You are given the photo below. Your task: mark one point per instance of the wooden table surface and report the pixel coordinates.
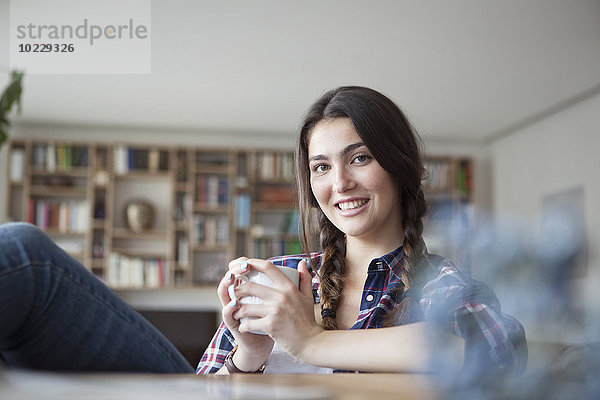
(51, 386)
(351, 386)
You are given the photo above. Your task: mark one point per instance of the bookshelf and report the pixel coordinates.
(210, 206)
(449, 192)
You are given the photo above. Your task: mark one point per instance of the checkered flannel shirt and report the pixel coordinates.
(468, 308)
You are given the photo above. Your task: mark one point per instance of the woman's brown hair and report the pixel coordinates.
(394, 143)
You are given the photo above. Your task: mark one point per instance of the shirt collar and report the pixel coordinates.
(390, 260)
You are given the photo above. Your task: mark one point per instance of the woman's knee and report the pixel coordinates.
(21, 231)
(21, 243)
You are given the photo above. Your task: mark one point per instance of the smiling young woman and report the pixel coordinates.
(359, 172)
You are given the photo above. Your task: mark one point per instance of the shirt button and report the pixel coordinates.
(369, 298)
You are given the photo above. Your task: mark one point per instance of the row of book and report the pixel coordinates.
(273, 165)
(291, 223)
(210, 230)
(265, 248)
(212, 158)
(212, 190)
(209, 267)
(135, 272)
(440, 176)
(59, 157)
(128, 159)
(275, 194)
(65, 216)
(286, 224)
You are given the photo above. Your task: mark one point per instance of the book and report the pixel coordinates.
(276, 194)
(39, 156)
(51, 157)
(120, 160)
(153, 160)
(183, 247)
(242, 210)
(17, 165)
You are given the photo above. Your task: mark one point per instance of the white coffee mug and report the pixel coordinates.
(262, 279)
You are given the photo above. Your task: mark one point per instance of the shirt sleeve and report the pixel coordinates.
(494, 341)
(214, 356)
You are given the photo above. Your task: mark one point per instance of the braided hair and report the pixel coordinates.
(395, 145)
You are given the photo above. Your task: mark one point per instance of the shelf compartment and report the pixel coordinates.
(205, 248)
(124, 233)
(268, 207)
(213, 169)
(75, 172)
(205, 208)
(140, 174)
(141, 253)
(58, 191)
(64, 234)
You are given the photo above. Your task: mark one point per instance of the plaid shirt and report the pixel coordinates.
(467, 307)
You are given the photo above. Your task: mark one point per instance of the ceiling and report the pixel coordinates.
(462, 70)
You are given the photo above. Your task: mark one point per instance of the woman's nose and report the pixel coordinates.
(343, 181)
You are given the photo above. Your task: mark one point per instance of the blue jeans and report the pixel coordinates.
(56, 315)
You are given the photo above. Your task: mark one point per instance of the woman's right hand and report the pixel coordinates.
(253, 349)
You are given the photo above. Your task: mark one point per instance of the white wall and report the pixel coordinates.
(555, 154)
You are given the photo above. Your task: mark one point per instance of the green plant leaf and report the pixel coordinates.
(11, 95)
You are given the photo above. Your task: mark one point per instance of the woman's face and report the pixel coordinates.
(356, 194)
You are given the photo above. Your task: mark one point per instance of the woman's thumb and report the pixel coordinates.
(305, 279)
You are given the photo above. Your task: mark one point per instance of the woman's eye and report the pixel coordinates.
(320, 168)
(362, 159)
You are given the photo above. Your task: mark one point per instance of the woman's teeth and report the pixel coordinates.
(349, 205)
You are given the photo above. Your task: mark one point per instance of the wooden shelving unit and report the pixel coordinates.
(449, 192)
(211, 206)
(194, 192)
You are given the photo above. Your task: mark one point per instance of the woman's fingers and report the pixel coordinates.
(305, 279)
(228, 314)
(263, 292)
(274, 301)
(250, 310)
(237, 262)
(268, 268)
(223, 288)
(239, 266)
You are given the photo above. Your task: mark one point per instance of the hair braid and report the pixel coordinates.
(415, 263)
(332, 269)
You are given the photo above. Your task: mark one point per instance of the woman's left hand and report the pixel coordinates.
(286, 314)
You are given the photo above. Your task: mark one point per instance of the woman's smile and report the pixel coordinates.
(350, 208)
(351, 204)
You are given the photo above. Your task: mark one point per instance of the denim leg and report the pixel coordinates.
(56, 315)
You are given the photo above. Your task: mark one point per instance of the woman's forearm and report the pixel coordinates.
(407, 348)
